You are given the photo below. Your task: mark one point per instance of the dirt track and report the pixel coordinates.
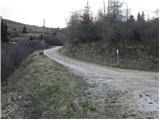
(134, 93)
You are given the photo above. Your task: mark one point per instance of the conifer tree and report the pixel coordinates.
(24, 29)
(4, 33)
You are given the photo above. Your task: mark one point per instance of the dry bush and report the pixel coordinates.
(12, 55)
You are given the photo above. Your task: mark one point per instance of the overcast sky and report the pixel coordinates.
(56, 12)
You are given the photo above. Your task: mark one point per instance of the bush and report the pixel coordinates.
(12, 54)
(13, 34)
(24, 30)
(113, 32)
(31, 38)
(52, 40)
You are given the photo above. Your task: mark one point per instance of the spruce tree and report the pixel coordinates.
(4, 33)
(141, 17)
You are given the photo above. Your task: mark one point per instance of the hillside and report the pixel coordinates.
(12, 25)
(136, 57)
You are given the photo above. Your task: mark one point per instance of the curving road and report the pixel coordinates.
(137, 90)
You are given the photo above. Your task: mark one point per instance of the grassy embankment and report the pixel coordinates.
(42, 88)
(133, 57)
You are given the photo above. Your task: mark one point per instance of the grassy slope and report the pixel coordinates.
(92, 53)
(41, 88)
(30, 28)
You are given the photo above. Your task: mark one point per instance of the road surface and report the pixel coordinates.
(134, 92)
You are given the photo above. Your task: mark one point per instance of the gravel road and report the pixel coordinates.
(135, 94)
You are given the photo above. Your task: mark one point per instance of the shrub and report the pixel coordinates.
(24, 30)
(31, 38)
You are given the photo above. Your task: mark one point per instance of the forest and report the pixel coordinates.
(98, 38)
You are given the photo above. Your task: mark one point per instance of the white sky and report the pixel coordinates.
(56, 12)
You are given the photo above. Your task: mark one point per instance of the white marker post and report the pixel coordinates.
(117, 56)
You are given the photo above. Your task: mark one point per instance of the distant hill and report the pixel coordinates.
(12, 25)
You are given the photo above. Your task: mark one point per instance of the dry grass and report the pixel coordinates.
(55, 92)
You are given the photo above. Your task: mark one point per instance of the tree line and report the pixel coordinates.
(136, 38)
(5, 33)
(112, 28)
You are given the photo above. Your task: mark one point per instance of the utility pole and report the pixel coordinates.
(104, 7)
(43, 42)
(127, 12)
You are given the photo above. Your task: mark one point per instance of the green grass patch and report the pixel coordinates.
(52, 87)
